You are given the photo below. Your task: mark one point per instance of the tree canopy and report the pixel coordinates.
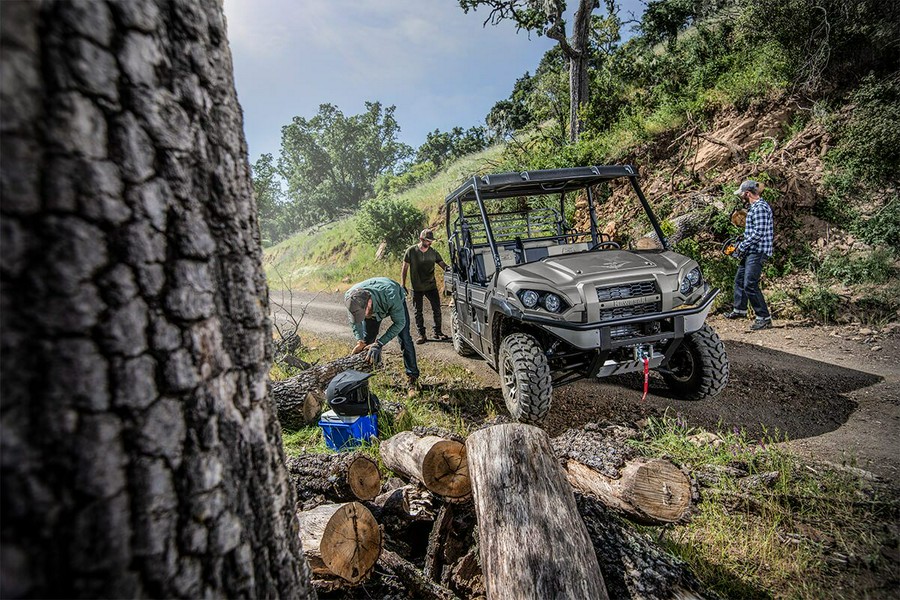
(331, 161)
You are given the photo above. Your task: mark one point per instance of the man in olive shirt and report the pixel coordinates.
(419, 263)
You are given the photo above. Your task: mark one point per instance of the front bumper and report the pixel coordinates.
(675, 324)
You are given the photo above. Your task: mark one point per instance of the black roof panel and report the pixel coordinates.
(532, 183)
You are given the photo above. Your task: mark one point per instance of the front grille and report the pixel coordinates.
(628, 290)
(625, 331)
(620, 312)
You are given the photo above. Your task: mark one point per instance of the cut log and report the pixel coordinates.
(599, 462)
(339, 477)
(400, 509)
(438, 463)
(299, 399)
(634, 567)
(533, 543)
(341, 540)
(649, 491)
(417, 585)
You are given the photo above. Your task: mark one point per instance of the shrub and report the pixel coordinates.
(394, 221)
(819, 302)
(883, 228)
(874, 267)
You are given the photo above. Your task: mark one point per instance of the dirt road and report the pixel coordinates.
(833, 391)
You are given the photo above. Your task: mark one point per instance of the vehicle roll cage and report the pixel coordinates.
(536, 183)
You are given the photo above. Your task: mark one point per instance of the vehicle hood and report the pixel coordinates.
(562, 270)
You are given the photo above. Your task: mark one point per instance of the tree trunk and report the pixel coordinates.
(599, 462)
(341, 540)
(533, 542)
(338, 477)
(650, 491)
(299, 399)
(439, 464)
(141, 454)
(415, 582)
(634, 567)
(579, 90)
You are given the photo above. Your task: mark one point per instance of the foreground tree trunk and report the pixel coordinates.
(533, 542)
(141, 456)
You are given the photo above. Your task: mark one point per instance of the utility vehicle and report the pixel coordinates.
(547, 304)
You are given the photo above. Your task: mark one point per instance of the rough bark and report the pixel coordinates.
(338, 477)
(141, 455)
(634, 567)
(438, 463)
(533, 543)
(417, 585)
(298, 399)
(341, 540)
(599, 462)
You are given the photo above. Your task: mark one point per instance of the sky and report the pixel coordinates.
(439, 66)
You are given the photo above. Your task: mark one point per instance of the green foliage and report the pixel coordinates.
(819, 302)
(390, 184)
(276, 218)
(331, 161)
(873, 267)
(868, 145)
(440, 147)
(392, 220)
(883, 228)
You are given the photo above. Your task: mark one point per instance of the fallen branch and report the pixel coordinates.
(413, 579)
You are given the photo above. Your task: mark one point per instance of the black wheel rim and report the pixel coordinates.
(682, 365)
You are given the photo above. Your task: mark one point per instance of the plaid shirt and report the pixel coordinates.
(759, 233)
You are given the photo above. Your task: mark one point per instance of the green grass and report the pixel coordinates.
(783, 539)
(333, 256)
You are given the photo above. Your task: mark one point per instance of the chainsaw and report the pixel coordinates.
(730, 247)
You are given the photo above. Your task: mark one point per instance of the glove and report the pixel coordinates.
(730, 250)
(373, 354)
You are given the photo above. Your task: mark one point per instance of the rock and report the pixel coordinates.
(876, 348)
(866, 331)
(705, 438)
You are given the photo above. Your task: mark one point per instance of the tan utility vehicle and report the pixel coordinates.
(546, 305)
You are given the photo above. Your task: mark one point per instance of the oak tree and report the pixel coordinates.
(141, 455)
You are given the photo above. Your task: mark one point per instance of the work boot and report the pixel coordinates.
(421, 339)
(736, 314)
(412, 382)
(761, 323)
(439, 336)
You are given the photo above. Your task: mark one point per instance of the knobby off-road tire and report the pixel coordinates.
(461, 346)
(525, 378)
(699, 368)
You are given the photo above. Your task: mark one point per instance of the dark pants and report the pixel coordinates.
(405, 339)
(434, 297)
(746, 285)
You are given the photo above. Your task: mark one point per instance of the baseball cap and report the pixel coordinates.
(356, 300)
(747, 186)
(426, 234)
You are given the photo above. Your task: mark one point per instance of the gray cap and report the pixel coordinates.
(356, 301)
(747, 186)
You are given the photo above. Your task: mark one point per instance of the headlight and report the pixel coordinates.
(529, 298)
(685, 286)
(552, 302)
(695, 277)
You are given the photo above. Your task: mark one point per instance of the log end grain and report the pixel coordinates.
(660, 490)
(445, 470)
(351, 543)
(364, 478)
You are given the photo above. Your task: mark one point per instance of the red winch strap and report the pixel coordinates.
(646, 377)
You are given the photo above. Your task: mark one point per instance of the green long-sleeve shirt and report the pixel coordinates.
(388, 300)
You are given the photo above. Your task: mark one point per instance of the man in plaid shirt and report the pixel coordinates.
(756, 247)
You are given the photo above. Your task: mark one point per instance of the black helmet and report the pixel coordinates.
(348, 394)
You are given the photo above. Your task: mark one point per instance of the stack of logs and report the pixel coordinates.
(507, 513)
